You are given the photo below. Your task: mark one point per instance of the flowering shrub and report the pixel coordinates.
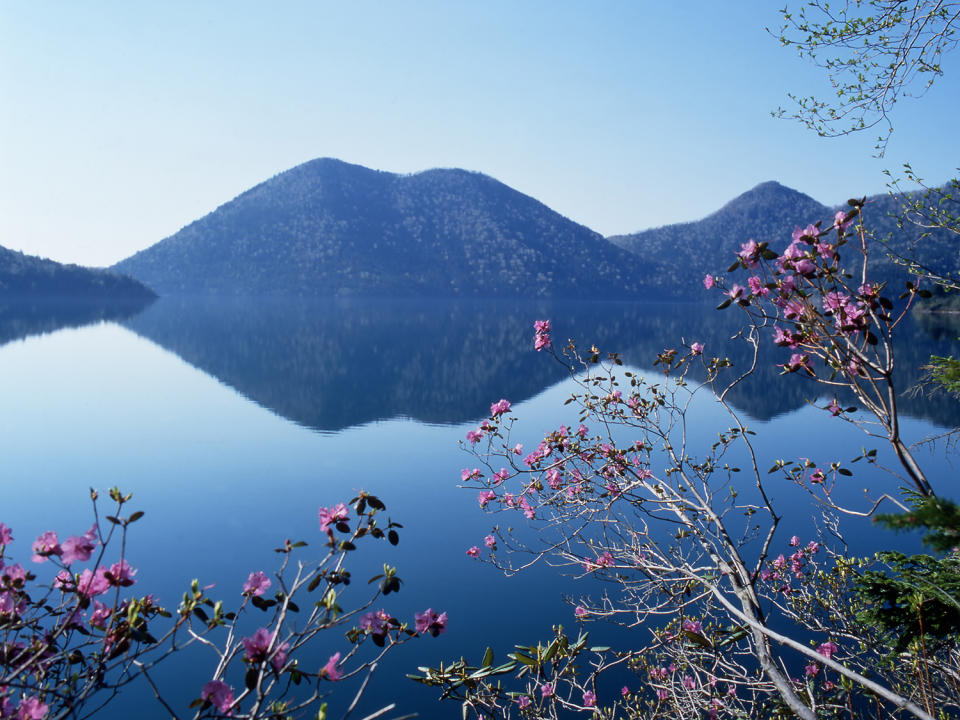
(723, 616)
(75, 641)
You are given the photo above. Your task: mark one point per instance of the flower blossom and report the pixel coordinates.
(121, 574)
(376, 623)
(473, 552)
(79, 547)
(827, 649)
(485, 496)
(697, 348)
(749, 252)
(100, 615)
(490, 541)
(708, 281)
(541, 338)
(332, 516)
(6, 536)
(44, 546)
(220, 695)
(93, 583)
(499, 408)
(840, 220)
(523, 701)
(257, 584)
(330, 670)
(546, 690)
(589, 698)
(431, 622)
(31, 708)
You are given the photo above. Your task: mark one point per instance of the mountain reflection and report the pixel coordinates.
(21, 318)
(333, 364)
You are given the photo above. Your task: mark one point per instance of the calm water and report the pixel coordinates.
(232, 421)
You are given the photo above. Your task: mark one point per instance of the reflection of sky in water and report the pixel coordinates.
(224, 481)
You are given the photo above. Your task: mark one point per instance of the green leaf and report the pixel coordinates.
(487, 658)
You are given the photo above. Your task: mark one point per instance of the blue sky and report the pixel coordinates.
(122, 122)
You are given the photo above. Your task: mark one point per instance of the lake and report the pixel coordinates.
(231, 421)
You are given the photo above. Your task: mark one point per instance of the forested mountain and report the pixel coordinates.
(769, 212)
(327, 228)
(27, 276)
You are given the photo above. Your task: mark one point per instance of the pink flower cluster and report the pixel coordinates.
(430, 622)
(541, 336)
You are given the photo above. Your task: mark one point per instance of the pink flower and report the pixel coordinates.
(332, 516)
(817, 477)
(474, 436)
(121, 574)
(625, 691)
(499, 477)
(518, 449)
(257, 584)
(490, 541)
(693, 626)
(467, 474)
(523, 701)
(219, 694)
(499, 408)
(757, 287)
(696, 348)
(541, 338)
(100, 615)
(589, 699)
(485, 496)
(6, 537)
(811, 670)
(827, 649)
(91, 584)
(834, 408)
(473, 552)
(31, 709)
(749, 252)
(580, 612)
(79, 547)
(330, 669)
(689, 683)
(813, 547)
(708, 281)
(736, 292)
(376, 623)
(662, 694)
(546, 690)
(257, 645)
(794, 541)
(279, 659)
(45, 546)
(840, 220)
(431, 622)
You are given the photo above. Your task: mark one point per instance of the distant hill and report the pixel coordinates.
(769, 212)
(328, 228)
(27, 276)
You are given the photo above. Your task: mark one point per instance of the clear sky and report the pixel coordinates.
(121, 122)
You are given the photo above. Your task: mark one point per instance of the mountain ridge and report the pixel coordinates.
(330, 228)
(29, 276)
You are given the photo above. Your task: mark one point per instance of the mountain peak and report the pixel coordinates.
(327, 227)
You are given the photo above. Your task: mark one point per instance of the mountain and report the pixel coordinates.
(27, 276)
(328, 228)
(769, 212)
